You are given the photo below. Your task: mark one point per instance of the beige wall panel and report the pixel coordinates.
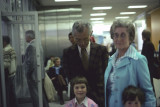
(155, 27)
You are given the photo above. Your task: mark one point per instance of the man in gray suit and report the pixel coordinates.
(31, 69)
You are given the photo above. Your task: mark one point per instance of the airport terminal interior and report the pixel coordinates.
(52, 21)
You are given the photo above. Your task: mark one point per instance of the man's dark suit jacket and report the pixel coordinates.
(148, 51)
(98, 60)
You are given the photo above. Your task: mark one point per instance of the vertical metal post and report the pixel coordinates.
(39, 66)
(2, 66)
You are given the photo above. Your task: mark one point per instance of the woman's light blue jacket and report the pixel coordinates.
(133, 70)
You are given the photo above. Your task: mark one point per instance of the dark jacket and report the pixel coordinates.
(148, 51)
(98, 60)
(56, 82)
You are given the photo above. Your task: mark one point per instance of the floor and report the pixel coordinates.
(54, 104)
(66, 99)
(51, 104)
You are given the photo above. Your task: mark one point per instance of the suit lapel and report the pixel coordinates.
(75, 52)
(75, 55)
(92, 53)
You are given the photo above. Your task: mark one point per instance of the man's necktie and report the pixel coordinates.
(84, 58)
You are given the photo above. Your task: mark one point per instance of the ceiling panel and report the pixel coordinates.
(87, 5)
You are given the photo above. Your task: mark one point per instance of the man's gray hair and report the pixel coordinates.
(30, 33)
(79, 27)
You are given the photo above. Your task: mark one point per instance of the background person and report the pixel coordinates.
(126, 67)
(148, 51)
(80, 88)
(86, 59)
(71, 38)
(10, 66)
(50, 63)
(30, 62)
(57, 75)
(92, 39)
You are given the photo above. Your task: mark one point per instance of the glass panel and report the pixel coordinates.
(17, 25)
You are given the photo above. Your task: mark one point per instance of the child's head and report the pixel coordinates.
(79, 85)
(133, 96)
(57, 61)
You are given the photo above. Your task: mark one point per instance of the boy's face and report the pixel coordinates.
(80, 91)
(135, 103)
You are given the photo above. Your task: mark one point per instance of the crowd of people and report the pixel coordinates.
(98, 78)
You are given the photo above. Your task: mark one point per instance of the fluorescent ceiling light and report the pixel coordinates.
(125, 17)
(97, 19)
(102, 8)
(60, 17)
(64, 0)
(123, 13)
(138, 6)
(70, 16)
(64, 10)
(68, 9)
(97, 22)
(98, 14)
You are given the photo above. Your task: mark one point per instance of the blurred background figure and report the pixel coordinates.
(57, 75)
(50, 63)
(148, 51)
(30, 63)
(71, 38)
(92, 39)
(10, 71)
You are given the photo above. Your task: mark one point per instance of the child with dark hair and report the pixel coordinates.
(133, 97)
(80, 87)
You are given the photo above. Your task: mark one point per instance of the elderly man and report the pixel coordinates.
(31, 69)
(86, 59)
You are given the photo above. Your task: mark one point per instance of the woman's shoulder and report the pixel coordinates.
(140, 56)
(138, 59)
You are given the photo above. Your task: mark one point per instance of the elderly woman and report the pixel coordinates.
(126, 67)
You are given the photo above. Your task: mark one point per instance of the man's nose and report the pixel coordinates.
(82, 42)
